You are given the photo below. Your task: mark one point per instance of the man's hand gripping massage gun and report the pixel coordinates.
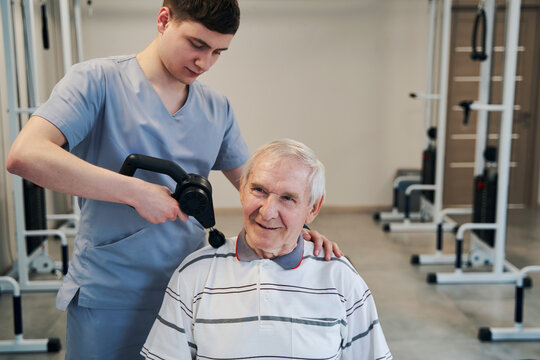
(193, 192)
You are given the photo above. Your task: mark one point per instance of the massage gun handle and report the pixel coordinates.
(144, 162)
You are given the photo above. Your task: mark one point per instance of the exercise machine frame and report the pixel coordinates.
(25, 261)
(433, 208)
(439, 258)
(20, 344)
(502, 271)
(517, 332)
(429, 97)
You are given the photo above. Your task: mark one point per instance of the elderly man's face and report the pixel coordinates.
(275, 203)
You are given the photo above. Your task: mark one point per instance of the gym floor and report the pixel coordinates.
(420, 321)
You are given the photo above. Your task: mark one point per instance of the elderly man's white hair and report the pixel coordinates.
(287, 148)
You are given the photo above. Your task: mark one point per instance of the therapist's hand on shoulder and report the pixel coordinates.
(320, 241)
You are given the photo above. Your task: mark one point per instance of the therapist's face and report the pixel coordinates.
(188, 49)
(276, 204)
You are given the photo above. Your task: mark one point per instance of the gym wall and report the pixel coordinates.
(333, 74)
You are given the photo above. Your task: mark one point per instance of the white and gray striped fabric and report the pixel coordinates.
(218, 307)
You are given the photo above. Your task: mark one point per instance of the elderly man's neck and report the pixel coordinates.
(272, 253)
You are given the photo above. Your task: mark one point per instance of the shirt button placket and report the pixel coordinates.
(264, 265)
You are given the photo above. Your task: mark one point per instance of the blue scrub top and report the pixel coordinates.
(107, 109)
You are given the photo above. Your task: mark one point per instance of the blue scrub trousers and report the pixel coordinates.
(112, 334)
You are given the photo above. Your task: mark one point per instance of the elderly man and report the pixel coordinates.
(263, 294)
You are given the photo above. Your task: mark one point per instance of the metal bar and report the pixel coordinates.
(449, 225)
(395, 215)
(505, 144)
(484, 91)
(487, 107)
(78, 29)
(399, 179)
(475, 226)
(13, 118)
(25, 110)
(416, 187)
(437, 259)
(458, 277)
(66, 34)
(443, 91)
(499, 334)
(29, 46)
(430, 63)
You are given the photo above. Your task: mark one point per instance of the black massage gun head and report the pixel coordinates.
(195, 198)
(216, 238)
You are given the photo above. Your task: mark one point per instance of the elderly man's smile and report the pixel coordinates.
(267, 227)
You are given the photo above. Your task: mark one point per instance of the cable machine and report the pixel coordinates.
(490, 181)
(29, 203)
(486, 19)
(32, 254)
(405, 178)
(433, 158)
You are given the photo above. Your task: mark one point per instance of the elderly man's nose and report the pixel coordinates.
(268, 210)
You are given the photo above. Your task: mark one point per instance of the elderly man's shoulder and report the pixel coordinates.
(338, 264)
(338, 273)
(205, 255)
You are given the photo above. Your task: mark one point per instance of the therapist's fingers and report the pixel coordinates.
(334, 249)
(320, 242)
(182, 216)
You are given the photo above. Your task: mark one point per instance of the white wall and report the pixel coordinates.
(333, 74)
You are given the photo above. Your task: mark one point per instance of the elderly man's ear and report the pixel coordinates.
(314, 211)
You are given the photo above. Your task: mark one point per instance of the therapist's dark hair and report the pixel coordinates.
(222, 16)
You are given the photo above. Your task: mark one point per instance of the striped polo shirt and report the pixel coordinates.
(227, 303)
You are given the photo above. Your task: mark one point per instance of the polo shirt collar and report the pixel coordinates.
(288, 261)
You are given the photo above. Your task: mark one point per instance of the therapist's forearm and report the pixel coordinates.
(235, 176)
(37, 155)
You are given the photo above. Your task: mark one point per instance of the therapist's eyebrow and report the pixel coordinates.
(203, 43)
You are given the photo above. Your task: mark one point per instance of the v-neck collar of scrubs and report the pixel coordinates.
(150, 88)
(288, 261)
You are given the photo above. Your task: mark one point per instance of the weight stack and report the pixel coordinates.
(35, 215)
(484, 206)
(414, 205)
(428, 171)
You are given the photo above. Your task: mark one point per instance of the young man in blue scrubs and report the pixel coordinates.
(130, 238)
